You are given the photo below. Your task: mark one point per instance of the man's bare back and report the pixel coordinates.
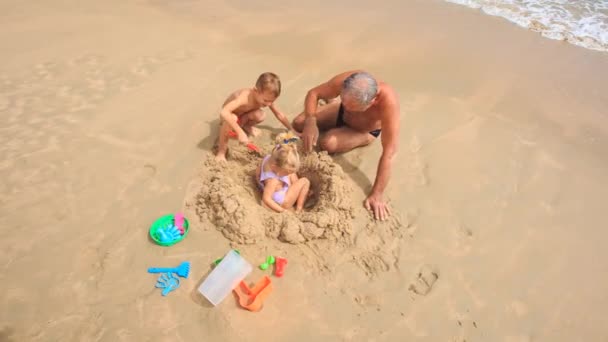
(370, 119)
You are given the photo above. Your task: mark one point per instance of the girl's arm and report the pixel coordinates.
(269, 186)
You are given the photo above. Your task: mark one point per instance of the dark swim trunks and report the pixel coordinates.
(340, 122)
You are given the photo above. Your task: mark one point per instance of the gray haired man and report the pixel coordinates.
(367, 108)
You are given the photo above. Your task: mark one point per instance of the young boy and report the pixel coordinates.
(242, 110)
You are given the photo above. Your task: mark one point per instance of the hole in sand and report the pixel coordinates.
(230, 199)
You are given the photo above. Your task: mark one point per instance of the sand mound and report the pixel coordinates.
(230, 200)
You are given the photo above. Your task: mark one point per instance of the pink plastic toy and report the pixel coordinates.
(178, 220)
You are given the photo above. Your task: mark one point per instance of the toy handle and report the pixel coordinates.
(253, 147)
(179, 220)
(160, 270)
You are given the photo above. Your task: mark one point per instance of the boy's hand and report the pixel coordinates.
(243, 138)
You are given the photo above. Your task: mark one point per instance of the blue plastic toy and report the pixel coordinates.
(169, 234)
(183, 270)
(168, 282)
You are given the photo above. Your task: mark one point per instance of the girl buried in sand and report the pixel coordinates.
(276, 176)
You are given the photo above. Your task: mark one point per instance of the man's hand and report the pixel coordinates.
(380, 208)
(310, 133)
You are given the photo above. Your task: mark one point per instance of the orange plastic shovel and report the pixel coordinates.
(253, 298)
(252, 147)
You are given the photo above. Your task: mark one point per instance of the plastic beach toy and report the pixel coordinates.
(183, 270)
(167, 235)
(269, 261)
(168, 282)
(165, 223)
(253, 298)
(251, 146)
(217, 261)
(178, 221)
(224, 277)
(279, 266)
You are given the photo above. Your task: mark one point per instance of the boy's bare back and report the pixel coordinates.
(246, 102)
(242, 110)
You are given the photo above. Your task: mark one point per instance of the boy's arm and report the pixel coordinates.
(269, 187)
(227, 114)
(281, 117)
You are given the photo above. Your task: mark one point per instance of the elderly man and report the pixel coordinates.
(367, 109)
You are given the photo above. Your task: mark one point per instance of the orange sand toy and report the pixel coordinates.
(253, 298)
(250, 146)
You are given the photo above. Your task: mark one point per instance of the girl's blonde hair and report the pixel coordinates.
(285, 154)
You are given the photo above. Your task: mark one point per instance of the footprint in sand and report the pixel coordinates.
(415, 102)
(6, 334)
(16, 109)
(79, 103)
(46, 71)
(173, 56)
(150, 170)
(379, 243)
(96, 83)
(6, 84)
(463, 239)
(145, 66)
(124, 84)
(416, 172)
(368, 300)
(415, 144)
(4, 102)
(372, 263)
(424, 280)
(91, 60)
(141, 70)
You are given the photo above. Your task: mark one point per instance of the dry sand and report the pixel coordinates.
(109, 110)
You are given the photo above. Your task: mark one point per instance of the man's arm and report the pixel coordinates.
(390, 139)
(327, 90)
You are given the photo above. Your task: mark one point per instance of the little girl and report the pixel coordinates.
(277, 177)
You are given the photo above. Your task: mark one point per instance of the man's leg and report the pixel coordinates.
(250, 119)
(343, 139)
(326, 117)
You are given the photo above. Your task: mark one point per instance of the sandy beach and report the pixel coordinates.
(109, 112)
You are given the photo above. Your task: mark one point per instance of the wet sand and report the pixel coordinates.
(108, 112)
